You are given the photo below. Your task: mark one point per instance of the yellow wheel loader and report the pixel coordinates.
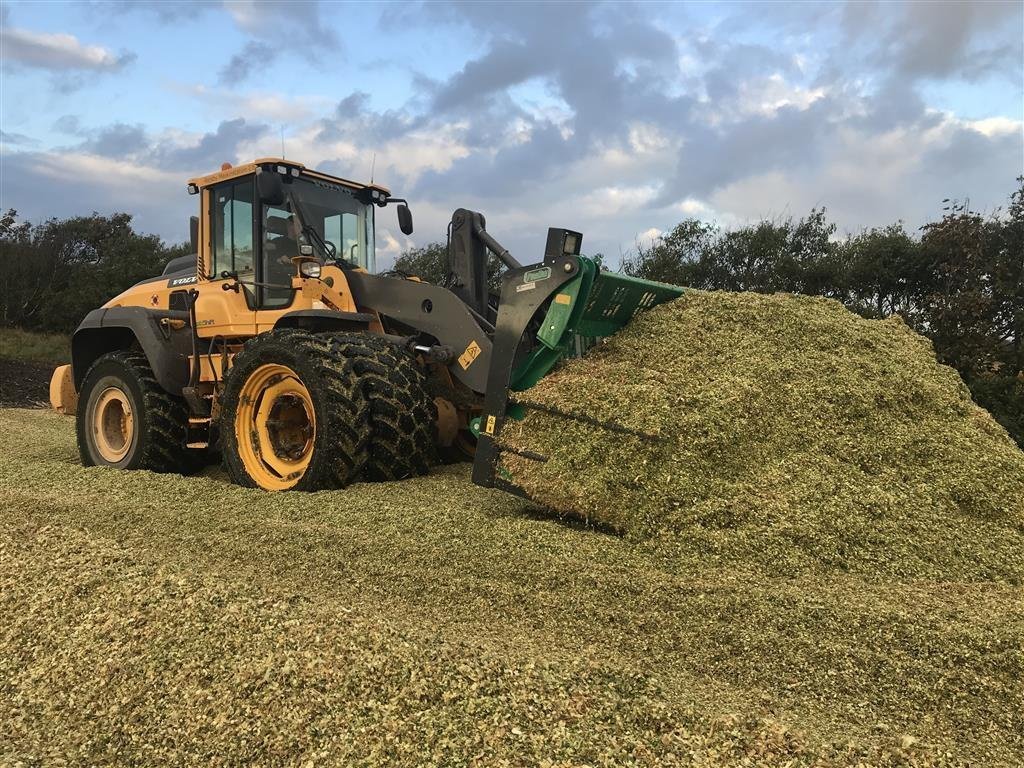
(277, 343)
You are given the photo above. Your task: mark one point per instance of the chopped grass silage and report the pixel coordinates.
(781, 433)
(163, 620)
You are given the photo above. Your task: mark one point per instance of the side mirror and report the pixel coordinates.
(270, 187)
(404, 219)
(193, 233)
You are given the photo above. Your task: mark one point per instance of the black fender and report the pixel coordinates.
(325, 320)
(108, 330)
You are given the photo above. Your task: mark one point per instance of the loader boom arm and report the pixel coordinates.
(468, 244)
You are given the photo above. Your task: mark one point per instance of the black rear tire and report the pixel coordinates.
(155, 438)
(341, 438)
(403, 416)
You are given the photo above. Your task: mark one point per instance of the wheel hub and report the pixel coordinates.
(275, 427)
(289, 427)
(113, 423)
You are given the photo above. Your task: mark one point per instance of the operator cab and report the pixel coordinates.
(256, 219)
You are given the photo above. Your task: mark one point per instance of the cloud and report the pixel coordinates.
(118, 140)
(868, 179)
(57, 52)
(253, 57)
(712, 157)
(284, 22)
(69, 124)
(355, 139)
(993, 126)
(954, 40)
(211, 149)
(353, 117)
(17, 139)
(618, 72)
(165, 10)
(508, 63)
(279, 108)
(749, 110)
(157, 200)
(276, 27)
(273, 26)
(168, 151)
(617, 62)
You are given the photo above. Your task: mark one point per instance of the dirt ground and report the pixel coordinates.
(24, 384)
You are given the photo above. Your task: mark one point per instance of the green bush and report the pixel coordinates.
(54, 273)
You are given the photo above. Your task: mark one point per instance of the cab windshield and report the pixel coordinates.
(326, 216)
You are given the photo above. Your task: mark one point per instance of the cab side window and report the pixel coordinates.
(232, 227)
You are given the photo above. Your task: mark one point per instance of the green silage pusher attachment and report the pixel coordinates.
(574, 301)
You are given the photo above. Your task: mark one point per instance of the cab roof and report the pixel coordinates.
(232, 172)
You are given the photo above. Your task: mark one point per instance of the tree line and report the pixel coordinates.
(958, 280)
(53, 273)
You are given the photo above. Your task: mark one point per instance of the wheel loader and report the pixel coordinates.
(279, 346)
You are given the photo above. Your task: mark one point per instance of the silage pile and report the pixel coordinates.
(780, 432)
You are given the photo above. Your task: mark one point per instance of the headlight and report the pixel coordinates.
(309, 269)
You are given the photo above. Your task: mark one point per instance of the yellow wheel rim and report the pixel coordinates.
(113, 424)
(275, 427)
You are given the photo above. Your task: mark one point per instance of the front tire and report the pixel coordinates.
(293, 416)
(126, 420)
(403, 415)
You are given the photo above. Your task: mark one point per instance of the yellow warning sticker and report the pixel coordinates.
(563, 298)
(490, 425)
(472, 352)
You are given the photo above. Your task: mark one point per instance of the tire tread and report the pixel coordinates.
(164, 419)
(402, 413)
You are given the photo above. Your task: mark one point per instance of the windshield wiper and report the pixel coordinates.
(327, 248)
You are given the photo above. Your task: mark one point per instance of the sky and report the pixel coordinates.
(615, 119)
